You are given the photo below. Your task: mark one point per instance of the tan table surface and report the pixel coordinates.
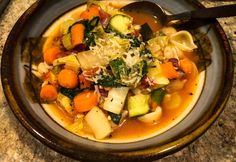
(16, 144)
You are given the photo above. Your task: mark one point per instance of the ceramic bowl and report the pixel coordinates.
(34, 22)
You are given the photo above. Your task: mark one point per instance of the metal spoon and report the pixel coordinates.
(156, 10)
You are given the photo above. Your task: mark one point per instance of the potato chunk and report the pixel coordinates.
(98, 122)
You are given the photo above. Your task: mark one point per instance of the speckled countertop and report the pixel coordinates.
(218, 144)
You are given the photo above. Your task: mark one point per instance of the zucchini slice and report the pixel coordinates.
(66, 41)
(138, 105)
(120, 23)
(65, 27)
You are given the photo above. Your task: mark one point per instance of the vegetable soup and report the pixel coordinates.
(117, 77)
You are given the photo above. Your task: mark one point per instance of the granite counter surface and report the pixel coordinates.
(216, 145)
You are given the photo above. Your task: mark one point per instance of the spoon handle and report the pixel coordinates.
(214, 12)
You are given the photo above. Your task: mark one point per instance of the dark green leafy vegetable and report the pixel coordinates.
(93, 23)
(108, 81)
(89, 38)
(118, 67)
(115, 117)
(145, 68)
(129, 76)
(71, 93)
(135, 42)
(158, 95)
(89, 35)
(141, 68)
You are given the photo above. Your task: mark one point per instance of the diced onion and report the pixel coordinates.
(116, 99)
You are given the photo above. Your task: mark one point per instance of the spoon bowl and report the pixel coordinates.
(163, 18)
(148, 8)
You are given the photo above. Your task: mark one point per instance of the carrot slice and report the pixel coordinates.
(85, 101)
(169, 71)
(51, 54)
(77, 34)
(91, 12)
(68, 78)
(48, 93)
(186, 65)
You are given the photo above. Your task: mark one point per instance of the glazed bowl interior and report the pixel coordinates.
(216, 88)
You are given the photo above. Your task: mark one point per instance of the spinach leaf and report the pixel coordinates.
(139, 68)
(135, 42)
(118, 67)
(115, 117)
(108, 81)
(89, 34)
(71, 93)
(89, 38)
(93, 23)
(129, 76)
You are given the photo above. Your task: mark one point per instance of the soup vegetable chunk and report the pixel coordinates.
(104, 72)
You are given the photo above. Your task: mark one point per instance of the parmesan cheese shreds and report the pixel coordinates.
(96, 78)
(108, 47)
(132, 57)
